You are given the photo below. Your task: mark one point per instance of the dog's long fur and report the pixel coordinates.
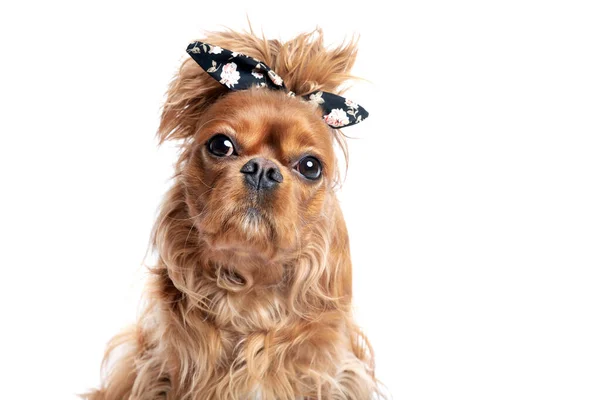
(240, 308)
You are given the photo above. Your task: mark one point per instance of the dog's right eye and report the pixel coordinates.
(221, 146)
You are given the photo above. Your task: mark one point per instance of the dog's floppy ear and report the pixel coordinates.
(322, 274)
(188, 96)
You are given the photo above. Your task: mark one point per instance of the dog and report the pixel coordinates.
(250, 296)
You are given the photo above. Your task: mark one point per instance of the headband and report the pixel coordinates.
(237, 71)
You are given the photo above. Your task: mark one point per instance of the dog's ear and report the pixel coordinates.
(322, 275)
(338, 283)
(190, 92)
(338, 279)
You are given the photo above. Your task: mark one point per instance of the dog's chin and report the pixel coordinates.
(248, 232)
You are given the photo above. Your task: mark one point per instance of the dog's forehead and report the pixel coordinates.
(266, 118)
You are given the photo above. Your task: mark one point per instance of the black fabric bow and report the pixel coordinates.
(237, 71)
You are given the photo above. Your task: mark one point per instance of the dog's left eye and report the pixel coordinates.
(310, 167)
(221, 146)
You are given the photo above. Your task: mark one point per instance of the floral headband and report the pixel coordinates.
(237, 71)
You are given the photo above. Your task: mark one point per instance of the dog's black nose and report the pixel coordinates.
(261, 173)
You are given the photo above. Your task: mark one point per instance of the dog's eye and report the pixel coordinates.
(221, 146)
(310, 167)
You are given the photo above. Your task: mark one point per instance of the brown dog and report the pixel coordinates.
(251, 295)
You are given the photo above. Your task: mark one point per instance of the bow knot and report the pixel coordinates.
(237, 71)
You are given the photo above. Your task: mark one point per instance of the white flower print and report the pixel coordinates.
(316, 98)
(351, 104)
(337, 117)
(257, 74)
(275, 78)
(195, 49)
(215, 50)
(229, 75)
(235, 54)
(214, 67)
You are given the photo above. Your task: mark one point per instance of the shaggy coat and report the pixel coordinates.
(250, 297)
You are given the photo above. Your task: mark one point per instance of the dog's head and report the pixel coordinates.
(260, 171)
(254, 182)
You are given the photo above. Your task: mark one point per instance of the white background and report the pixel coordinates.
(472, 199)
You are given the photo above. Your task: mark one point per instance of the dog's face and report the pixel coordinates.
(260, 170)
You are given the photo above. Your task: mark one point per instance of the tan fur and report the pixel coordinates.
(240, 307)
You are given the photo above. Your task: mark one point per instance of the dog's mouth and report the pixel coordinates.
(254, 221)
(253, 212)
(247, 231)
